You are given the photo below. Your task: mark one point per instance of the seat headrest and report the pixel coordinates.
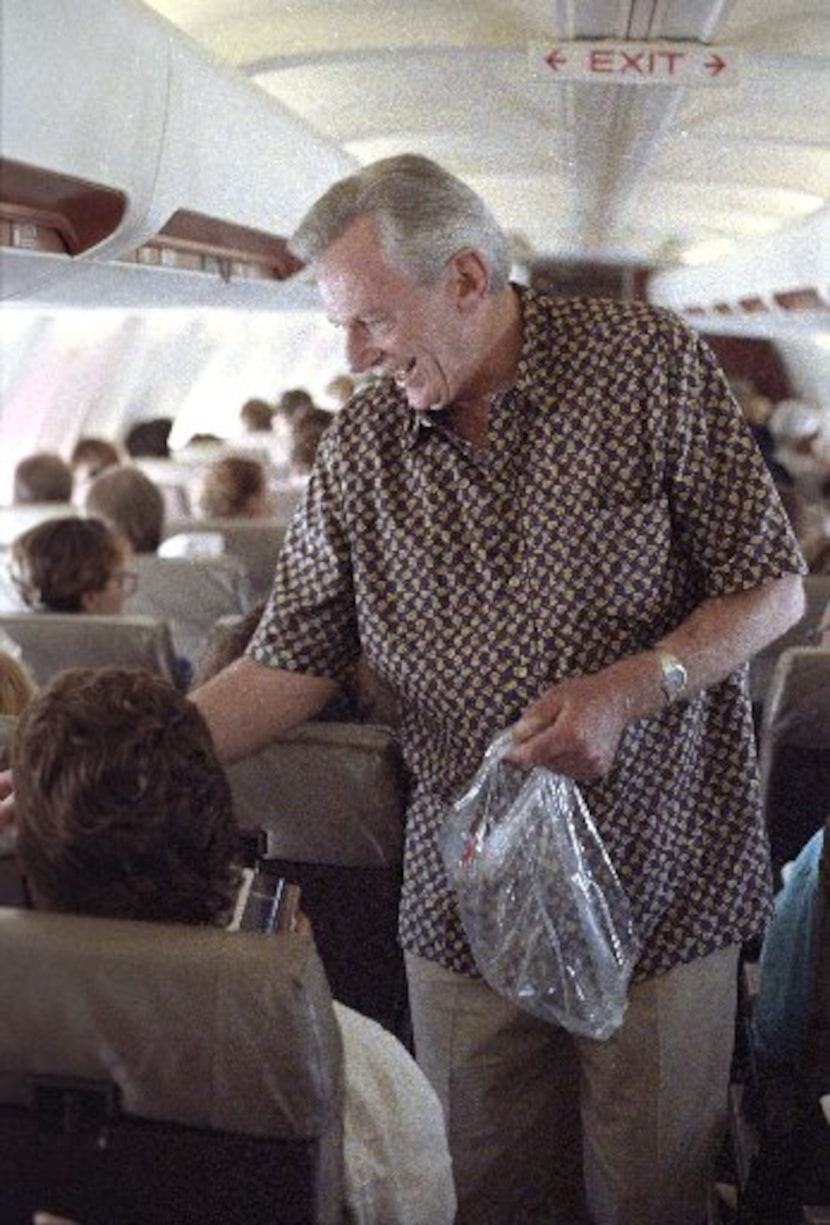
(227, 1030)
(328, 793)
(797, 706)
(50, 641)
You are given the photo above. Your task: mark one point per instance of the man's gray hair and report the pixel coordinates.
(425, 216)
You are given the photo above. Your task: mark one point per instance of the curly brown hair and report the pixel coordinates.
(54, 564)
(123, 808)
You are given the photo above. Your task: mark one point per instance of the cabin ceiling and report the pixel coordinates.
(606, 170)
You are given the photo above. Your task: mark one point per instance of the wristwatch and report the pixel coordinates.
(674, 677)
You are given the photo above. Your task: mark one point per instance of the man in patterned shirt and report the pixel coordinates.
(550, 515)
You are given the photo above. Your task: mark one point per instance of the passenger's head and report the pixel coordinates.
(42, 477)
(294, 403)
(234, 487)
(92, 455)
(340, 389)
(130, 504)
(17, 685)
(149, 439)
(71, 565)
(122, 807)
(424, 216)
(306, 433)
(255, 416)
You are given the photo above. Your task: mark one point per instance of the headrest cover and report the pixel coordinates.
(328, 793)
(228, 1030)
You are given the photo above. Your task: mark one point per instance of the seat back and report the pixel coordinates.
(19, 517)
(795, 750)
(331, 799)
(52, 641)
(10, 598)
(780, 1115)
(190, 594)
(156, 1073)
(256, 542)
(803, 633)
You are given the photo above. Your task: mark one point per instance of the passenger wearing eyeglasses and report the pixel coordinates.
(72, 565)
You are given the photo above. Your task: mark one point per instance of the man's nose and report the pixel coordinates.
(360, 354)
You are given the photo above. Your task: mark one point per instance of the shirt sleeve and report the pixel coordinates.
(310, 624)
(728, 517)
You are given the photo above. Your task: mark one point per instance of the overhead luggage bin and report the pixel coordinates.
(120, 140)
(782, 275)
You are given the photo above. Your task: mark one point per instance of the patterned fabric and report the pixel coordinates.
(619, 488)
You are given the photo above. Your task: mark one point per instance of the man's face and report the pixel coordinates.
(414, 334)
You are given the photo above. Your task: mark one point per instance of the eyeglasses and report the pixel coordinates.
(127, 581)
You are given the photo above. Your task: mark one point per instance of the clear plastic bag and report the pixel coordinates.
(546, 916)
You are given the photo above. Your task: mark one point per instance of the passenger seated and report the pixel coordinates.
(125, 746)
(306, 432)
(779, 1012)
(149, 439)
(73, 566)
(17, 688)
(42, 477)
(90, 456)
(234, 487)
(130, 503)
(255, 416)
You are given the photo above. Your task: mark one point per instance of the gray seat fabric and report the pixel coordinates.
(16, 519)
(191, 594)
(326, 793)
(331, 798)
(199, 1031)
(803, 633)
(10, 598)
(256, 542)
(795, 750)
(52, 641)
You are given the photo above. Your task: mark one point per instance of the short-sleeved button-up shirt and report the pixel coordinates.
(619, 488)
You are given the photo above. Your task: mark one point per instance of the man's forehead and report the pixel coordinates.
(354, 278)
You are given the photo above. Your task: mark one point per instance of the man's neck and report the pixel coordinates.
(501, 345)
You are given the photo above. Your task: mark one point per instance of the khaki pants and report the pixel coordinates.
(539, 1120)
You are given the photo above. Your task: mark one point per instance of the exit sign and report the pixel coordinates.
(625, 63)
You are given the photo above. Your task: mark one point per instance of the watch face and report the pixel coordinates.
(674, 676)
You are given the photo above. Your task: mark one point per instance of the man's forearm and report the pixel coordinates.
(248, 704)
(721, 634)
(576, 725)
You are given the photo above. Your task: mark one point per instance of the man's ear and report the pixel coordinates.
(471, 278)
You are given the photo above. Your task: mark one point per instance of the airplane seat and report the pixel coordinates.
(191, 594)
(152, 1073)
(794, 746)
(803, 633)
(19, 517)
(10, 598)
(51, 641)
(779, 1118)
(256, 542)
(174, 479)
(330, 797)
